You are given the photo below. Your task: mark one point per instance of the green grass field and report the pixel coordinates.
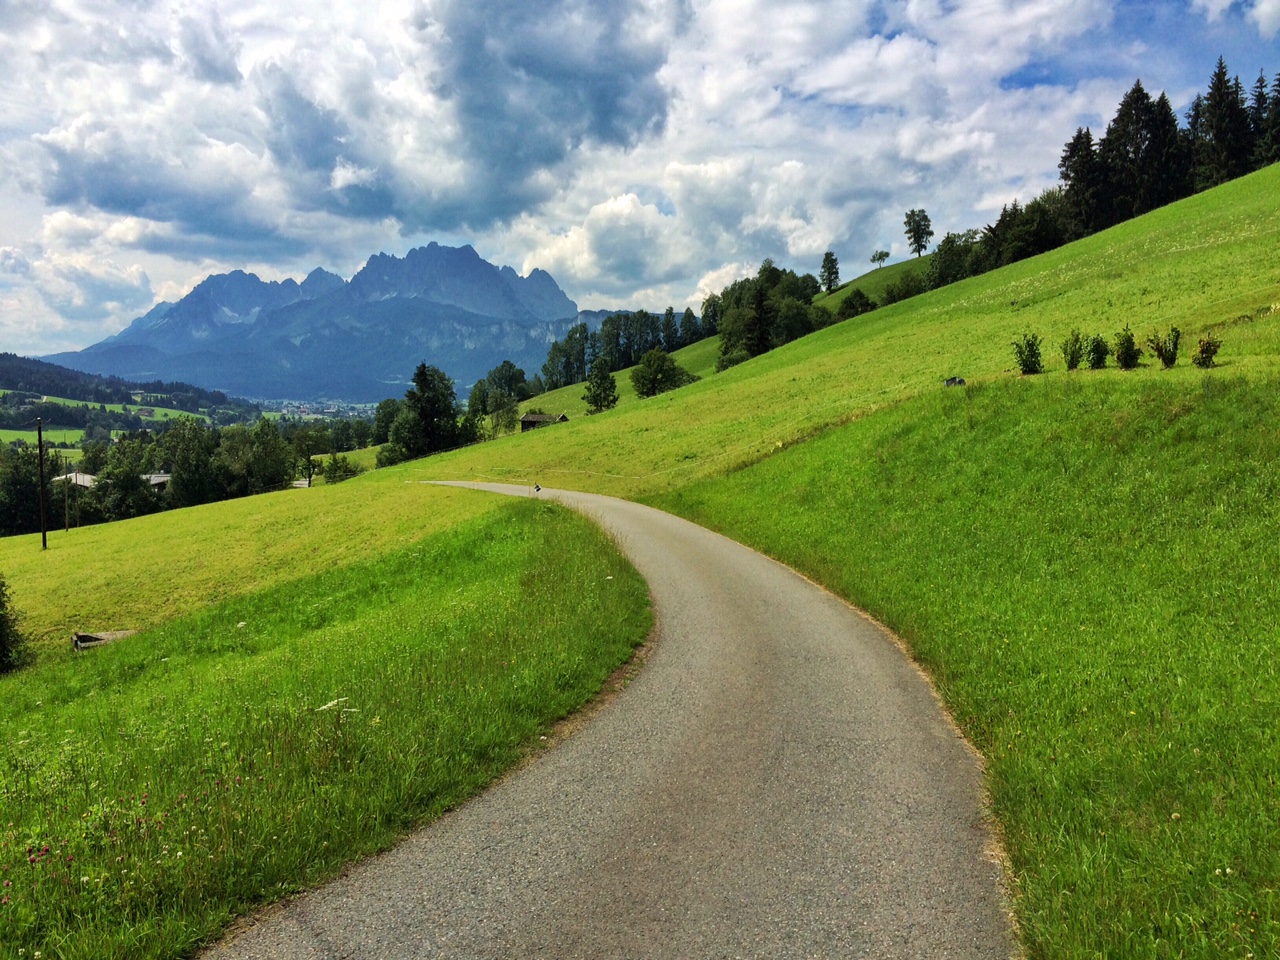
(874, 282)
(106, 577)
(52, 435)
(155, 788)
(1088, 567)
(161, 413)
(698, 358)
(1085, 563)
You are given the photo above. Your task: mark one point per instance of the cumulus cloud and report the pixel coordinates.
(209, 53)
(635, 149)
(90, 288)
(1266, 15)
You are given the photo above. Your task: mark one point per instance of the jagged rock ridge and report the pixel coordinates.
(327, 338)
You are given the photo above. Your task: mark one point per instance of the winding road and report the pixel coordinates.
(779, 781)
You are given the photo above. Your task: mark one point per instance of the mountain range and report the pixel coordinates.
(355, 340)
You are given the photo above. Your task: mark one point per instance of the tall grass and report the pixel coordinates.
(1089, 568)
(154, 788)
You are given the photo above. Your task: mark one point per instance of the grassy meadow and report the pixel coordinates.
(698, 358)
(1088, 567)
(874, 282)
(51, 435)
(161, 413)
(1085, 562)
(155, 788)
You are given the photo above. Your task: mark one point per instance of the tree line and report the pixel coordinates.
(622, 340)
(756, 314)
(1144, 160)
(42, 378)
(204, 464)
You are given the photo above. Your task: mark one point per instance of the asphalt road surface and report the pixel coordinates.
(777, 782)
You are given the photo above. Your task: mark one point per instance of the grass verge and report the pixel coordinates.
(155, 788)
(1088, 567)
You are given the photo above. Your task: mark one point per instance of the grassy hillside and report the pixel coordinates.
(161, 413)
(154, 788)
(140, 573)
(51, 435)
(1204, 263)
(1088, 568)
(874, 282)
(699, 359)
(1086, 562)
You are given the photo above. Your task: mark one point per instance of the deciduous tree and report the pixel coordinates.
(602, 389)
(919, 231)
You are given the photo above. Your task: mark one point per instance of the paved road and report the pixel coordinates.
(778, 782)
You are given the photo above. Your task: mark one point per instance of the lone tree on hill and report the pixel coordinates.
(830, 272)
(879, 257)
(602, 389)
(657, 373)
(919, 231)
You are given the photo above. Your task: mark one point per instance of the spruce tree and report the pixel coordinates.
(670, 331)
(1269, 150)
(1123, 156)
(1224, 137)
(1166, 173)
(690, 330)
(830, 272)
(1080, 174)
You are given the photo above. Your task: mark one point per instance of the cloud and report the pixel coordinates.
(209, 53)
(1212, 9)
(14, 262)
(1266, 15)
(636, 149)
(88, 288)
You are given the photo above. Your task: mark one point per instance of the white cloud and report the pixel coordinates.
(644, 148)
(1266, 14)
(1212, 9)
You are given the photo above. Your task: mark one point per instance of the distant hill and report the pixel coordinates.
(42, 378)
(330, 339)
(874, 282)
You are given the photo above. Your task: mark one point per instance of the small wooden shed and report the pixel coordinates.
(531, 421)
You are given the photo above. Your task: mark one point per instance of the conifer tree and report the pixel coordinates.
(1224, 151)
(1269, 149)
(830, 272)
(690, 331)
(670, 331)
(1080, 176)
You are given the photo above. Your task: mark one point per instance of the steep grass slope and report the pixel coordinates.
(140, 573)
(1207, 262)
(874, 282)
(1086, 562)
(698, 358)
(1089, 568)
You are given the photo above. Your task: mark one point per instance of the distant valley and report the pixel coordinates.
(356, 341)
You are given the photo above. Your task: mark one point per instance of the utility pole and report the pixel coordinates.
(44, 530)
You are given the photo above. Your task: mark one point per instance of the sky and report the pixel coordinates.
(644, 152)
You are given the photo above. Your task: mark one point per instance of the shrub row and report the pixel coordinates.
(1094, 349)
